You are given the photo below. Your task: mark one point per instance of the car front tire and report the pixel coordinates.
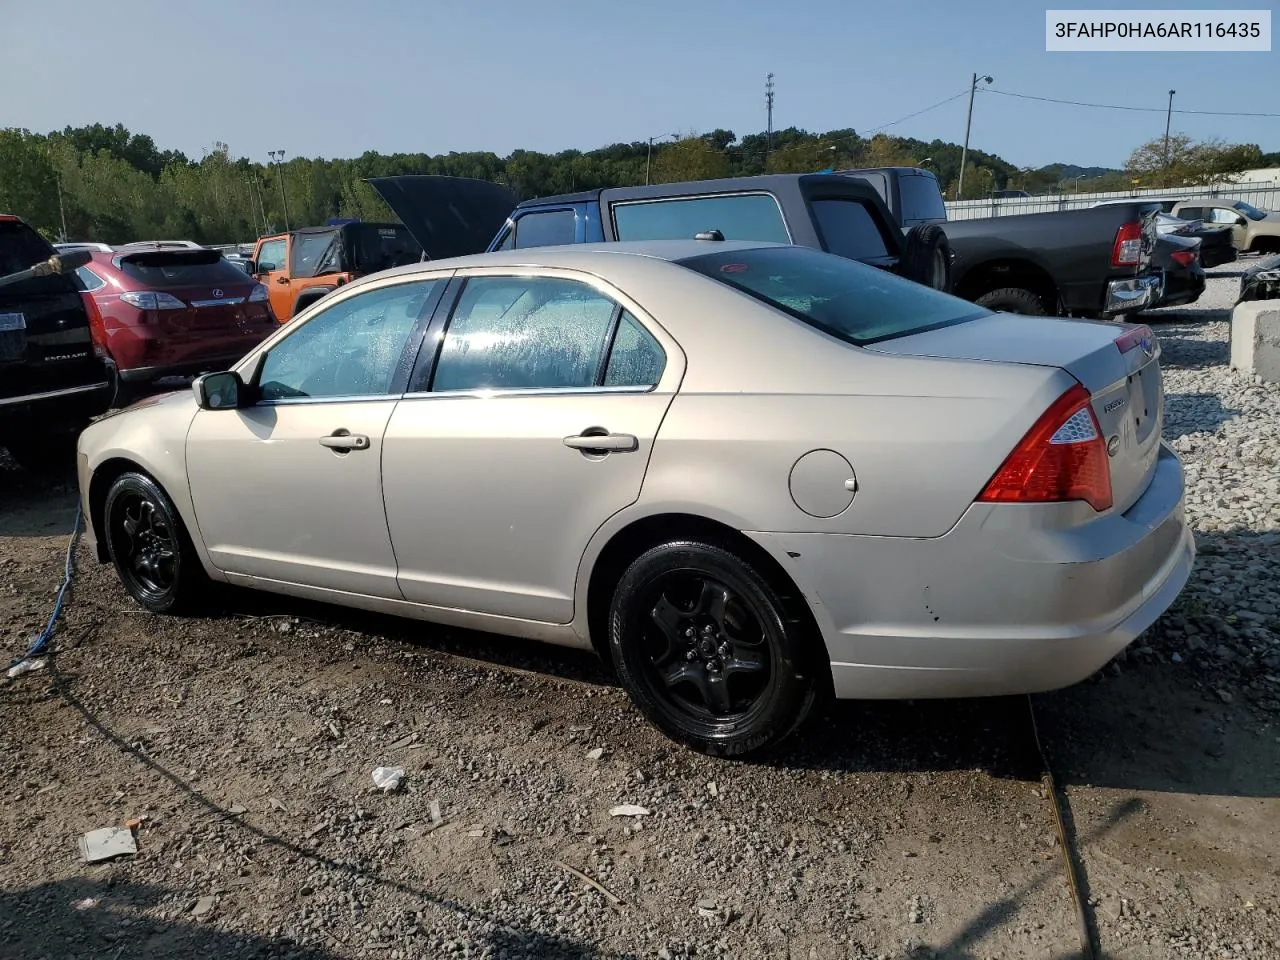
(150, 547)
(706, 649)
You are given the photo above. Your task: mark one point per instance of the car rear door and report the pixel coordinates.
(533, 426)
(290, 489)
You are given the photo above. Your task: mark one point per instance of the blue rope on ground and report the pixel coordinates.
(41, 643)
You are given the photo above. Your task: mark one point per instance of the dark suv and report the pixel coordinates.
(53, 379)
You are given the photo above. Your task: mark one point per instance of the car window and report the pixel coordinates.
(1221, 215)
(314, 254)
(88, 280)
(161, 269)
(636, 359)
(351, 349)
(1191, 213)
(849, 230)
(921, 199)
(271, 256)
(547, 229)
(853, 301)
(524, 333)
(744, 216)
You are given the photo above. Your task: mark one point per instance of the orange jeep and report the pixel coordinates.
(301, 266)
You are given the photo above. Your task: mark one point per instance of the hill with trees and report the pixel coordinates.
(112, 185)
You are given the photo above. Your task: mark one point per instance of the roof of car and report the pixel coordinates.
(578, 256)
(769, 181)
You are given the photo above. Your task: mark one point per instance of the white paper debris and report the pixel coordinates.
(628, 810)
(387, 779)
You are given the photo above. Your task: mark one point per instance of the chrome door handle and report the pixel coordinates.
(604, 442)
(345, 441)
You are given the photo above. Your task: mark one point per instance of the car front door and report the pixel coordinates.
(532, 428)
(272, 264)
(290, 488)
(1233, 218)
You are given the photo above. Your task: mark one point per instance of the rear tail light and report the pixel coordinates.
(153, 300)
(1184, 258)
(258, 294)
(1063, 457)
(1127, 251)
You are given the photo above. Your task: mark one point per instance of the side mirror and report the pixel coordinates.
(219, 391)
(1241, 222)
(263, 267)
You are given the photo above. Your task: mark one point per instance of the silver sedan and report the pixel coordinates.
(751, 475)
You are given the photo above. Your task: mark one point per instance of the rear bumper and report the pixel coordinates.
(1180, 290)
(1012, 600)
(71, 407)
(1132, 294)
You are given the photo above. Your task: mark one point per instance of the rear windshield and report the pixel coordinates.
(20, 248)
(850, 300)
(744, 216)
(174, 268)
(381, 247)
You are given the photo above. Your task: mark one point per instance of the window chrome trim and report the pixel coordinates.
(495, 392)
(353, 398)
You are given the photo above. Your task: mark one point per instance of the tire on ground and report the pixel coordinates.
(781, 700)
(926, 258)
(1012, 300)
(137, 511)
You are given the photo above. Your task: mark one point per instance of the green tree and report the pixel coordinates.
(693, 158)
(1190, 162)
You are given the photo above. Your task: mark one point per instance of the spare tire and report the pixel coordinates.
(927, 257)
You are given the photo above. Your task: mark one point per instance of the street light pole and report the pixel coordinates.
(1168, 119)
(648, 160)
(964, 152)
(278, 156)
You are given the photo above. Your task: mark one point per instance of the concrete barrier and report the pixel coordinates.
(1255, 339)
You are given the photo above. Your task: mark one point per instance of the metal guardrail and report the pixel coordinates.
(1265, 195)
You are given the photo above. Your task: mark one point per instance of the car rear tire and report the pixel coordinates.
(150, 547)
(706, 649)
(1012, 300)
(927, 257)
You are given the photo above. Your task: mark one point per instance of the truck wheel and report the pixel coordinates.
(927, 257)
(1012, 300)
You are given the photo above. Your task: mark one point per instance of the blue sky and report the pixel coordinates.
(327, 78)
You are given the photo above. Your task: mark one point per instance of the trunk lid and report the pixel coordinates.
(448, 216)
(1119, 364)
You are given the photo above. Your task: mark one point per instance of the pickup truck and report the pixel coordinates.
(1101, 269)
(53, 378)
(837, 214)
(1096, 262)
(301, 266)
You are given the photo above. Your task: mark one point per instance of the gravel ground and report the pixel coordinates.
(247, 741)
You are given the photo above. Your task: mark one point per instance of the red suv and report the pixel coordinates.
(165, 312)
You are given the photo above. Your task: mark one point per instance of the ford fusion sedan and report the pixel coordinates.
(751, 475)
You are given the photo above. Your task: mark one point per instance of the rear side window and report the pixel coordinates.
(553, 228)
(853, 301)
(172, 268)
(921, 200)
(849, 230)
(744, 216)
(313, 254)
(89, 281)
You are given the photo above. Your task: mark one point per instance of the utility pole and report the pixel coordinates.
(964, 152)
(648, 160)
(768, 108)
(1168, 119)
(62, 212)
(278, 157)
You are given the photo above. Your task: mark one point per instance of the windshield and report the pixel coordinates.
(850, 300)
(1250, 211)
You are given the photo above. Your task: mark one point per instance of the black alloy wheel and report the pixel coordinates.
(707, 651)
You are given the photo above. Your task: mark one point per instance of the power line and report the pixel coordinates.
(962, 93)
(1114, 106)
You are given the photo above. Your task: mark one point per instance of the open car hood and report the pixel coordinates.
(448, 216)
